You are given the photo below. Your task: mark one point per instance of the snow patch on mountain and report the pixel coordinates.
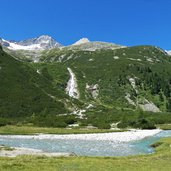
(15, 46)
(168, 52)
(40, 43)
(72, 87)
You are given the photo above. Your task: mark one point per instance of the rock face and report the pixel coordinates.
(81, 41)
(85, 44)
(40, 43)
(93, 89)
(150, 107)
(45, 41)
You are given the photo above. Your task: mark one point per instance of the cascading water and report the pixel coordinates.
(72, 87)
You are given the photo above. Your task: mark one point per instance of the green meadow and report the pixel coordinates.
(159, 161)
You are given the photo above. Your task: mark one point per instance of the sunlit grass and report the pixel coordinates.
(159, 161)
(164, 126)
(30, 130)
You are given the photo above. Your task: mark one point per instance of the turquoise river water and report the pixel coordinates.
(87, 147)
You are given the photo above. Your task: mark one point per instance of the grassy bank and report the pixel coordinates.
(160, 161)
(30, 130)
(164, 126)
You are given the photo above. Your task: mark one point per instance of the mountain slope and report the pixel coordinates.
(86, 45)
(105, 86)
(82, 41)
(31, 49)
(135, 77)
(24, 92)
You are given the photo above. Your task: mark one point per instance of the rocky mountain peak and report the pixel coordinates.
(82, 41)
(39, 43)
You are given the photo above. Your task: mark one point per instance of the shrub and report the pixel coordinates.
(122, 125)
(141, 123)
(144, 124)
(102, 125)
(4, 122)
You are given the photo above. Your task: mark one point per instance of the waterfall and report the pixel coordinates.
(72, 87)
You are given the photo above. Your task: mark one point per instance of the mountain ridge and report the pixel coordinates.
(46, 42)
(97, 87)
(39, 43)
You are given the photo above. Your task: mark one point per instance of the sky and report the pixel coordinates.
(125, 22)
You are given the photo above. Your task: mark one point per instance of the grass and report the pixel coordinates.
(159, 161)
(30, 130)
(164, 126)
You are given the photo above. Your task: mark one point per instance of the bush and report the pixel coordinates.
(69, 120)
(141, 123)
(53, 121)
(122, 125)
(4, 122)
(102, 125)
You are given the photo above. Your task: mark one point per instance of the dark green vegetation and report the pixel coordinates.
(128, 85)
(149, 66)
(159, 161)
(23, 92)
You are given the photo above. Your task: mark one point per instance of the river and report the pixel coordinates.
(87, 147)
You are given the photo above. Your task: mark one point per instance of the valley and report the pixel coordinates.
(57, 103)
(101, 86)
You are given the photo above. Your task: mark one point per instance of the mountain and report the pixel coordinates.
(119, 77)
(40, 43)
(81, 41)
(169, 52)
(91, 86)
(32, 49)
(130, 76)
(116, 84)
(86, 45)
(28, 93)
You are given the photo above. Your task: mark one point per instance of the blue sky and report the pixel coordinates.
(126, 22)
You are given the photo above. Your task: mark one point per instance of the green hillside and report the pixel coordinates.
(114, 85)
(112, 72)
(26, 93)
